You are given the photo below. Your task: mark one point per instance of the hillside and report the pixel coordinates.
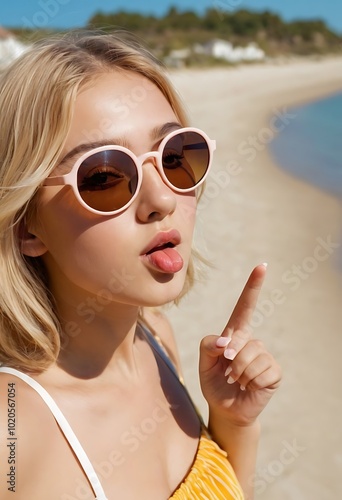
(179, 30)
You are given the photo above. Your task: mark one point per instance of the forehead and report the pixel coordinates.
(117, 104)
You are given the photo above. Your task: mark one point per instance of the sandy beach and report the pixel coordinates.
(253, 212)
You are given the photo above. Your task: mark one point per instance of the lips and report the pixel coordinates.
(161, 254)
(165, 239)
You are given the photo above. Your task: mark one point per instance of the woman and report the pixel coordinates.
(99, 175)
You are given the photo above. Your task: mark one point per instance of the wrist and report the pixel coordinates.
(236, 421)
(240, 426)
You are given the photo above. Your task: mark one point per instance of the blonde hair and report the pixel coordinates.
(36, 100)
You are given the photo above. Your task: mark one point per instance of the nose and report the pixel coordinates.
(155, 200)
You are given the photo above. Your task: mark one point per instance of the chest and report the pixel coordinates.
(140, 443)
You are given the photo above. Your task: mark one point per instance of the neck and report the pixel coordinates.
(97, 342)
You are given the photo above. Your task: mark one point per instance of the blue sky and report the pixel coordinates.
(75, 13)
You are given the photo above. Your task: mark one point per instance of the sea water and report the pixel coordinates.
(310, 145)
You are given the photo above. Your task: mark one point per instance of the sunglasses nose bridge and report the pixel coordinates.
(151, 154)
(155, 157)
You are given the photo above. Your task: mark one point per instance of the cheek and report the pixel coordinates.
(60, 221)
(80, 246)
(186, 206)
(87, 259)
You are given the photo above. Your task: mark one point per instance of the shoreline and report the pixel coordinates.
(253, 211)
(308, 149)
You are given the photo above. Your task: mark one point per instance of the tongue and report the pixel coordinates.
(167, 260)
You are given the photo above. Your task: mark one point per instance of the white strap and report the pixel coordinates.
(65, 428)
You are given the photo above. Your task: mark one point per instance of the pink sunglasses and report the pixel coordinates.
(106, 180)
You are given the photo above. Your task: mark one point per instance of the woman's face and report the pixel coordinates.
(107, 258)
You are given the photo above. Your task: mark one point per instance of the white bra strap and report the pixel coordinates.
(65, 428)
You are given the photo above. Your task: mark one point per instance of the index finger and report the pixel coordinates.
(245, 306)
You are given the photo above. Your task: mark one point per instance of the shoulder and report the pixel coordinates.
(161, 326)
(20, 433)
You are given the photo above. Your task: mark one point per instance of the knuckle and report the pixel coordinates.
(241, 335)
(258, 344)
(254, 385)
(250, 372)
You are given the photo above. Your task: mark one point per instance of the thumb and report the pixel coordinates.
(211, 348)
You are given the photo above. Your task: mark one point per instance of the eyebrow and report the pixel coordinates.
(156, 134)
(161, 131)
(87, 146)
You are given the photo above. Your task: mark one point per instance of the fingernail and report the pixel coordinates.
(230, 354)
(222, 341)
(230, 380)
(242, 387)
(265, 264)
(227, 372)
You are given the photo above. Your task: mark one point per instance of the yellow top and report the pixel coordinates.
(211, 476)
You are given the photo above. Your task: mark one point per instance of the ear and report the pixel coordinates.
(30, 244)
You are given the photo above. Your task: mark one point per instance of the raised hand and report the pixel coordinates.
(238, 375)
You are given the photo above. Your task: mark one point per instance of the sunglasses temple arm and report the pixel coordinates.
(211, 144)
(54, 181)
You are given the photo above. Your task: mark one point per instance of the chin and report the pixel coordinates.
(165, 291)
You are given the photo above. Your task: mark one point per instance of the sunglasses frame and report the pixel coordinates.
(70, 178)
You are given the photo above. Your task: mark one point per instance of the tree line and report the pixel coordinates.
(215, 22)
(184, 28)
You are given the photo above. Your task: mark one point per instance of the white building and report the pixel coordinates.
(221, 49)
(10, 48)
(253, 52)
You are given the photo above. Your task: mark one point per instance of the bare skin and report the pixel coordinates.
(121, 443)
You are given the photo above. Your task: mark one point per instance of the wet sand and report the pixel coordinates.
(253, 212)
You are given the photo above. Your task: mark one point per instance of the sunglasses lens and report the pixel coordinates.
(185, 159)
(107, 180)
